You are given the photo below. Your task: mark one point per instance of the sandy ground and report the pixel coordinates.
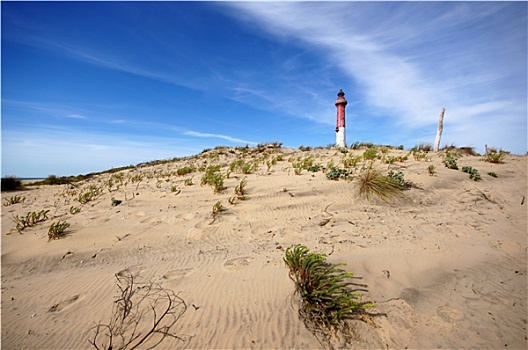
(446, 265)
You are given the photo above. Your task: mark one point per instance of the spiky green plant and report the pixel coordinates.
(57, 230)
(213, 178)
(31, 219)
(370, 153)
(431, 168)
(74, 210)
(351, 161)
(372, 182)
(322, 286)
(492, 174)
(188, 181)
(218, 207)
(495, 157)
(14, 200)
(240, 189)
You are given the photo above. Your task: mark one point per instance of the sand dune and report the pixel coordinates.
(446, 265)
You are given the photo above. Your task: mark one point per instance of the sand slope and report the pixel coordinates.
(446, 265)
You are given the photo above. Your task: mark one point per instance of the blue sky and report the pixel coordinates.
(87, 86)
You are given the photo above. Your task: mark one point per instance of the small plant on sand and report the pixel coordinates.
(185, 170)
(188, 181)
(74, 210)
(370, 153)
(372, 182)
(323, 287)
(240, 189)
(351, 161)
(175, 189)
(473, 173)
(93, 193)
(57, 229)
(213, 178)
(31, 219)
(217, 209)
(492, 174)
(14, 200)
(419, 155)
(397, 179)
(431, 169)
(451, 162)
(334, 173)
(297, 168)
(494, 157)
(143, 315)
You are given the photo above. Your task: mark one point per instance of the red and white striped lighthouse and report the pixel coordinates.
(340, 103)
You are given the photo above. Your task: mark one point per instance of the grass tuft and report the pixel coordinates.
(372, 182)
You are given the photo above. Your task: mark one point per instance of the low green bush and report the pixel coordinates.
(57, 230)
(11, 183)
(323, 287)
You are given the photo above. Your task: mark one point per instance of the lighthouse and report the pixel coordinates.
(340, 104)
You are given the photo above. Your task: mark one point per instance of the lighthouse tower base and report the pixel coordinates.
(340, 137)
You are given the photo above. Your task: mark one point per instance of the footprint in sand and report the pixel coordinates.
(237, 263)
(449, 314)
(135, 270)
(63, 304)
(510, 247)
(177, 274)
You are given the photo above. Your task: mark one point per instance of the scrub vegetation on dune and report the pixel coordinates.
(144, 314)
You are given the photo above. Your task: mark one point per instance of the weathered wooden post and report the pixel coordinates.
(439, 132)
(340, 104)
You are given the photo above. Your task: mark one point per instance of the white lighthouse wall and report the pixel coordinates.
(341, 137)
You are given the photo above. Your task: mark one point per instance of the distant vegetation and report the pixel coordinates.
(11, 183)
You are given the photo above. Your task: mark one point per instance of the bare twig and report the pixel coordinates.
(137, 303)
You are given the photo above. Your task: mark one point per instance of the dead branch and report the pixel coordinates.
(142, 315)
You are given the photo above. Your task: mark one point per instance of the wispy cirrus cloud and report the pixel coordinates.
(408, 60)
(218, 136)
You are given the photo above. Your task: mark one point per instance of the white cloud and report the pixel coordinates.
(411, 59)
(218, 136)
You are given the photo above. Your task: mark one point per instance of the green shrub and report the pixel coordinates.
(323, 287)
(31, 219)
(57, 229)
(185, 170)
(93, 193)
(11, 183)
(370, 153)
(451, 162)
(314, 168)
(431, 168)
(397, 179)
(473, 173)
(351, 161)
(213, 178)
(335, 173)
(492, 174)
